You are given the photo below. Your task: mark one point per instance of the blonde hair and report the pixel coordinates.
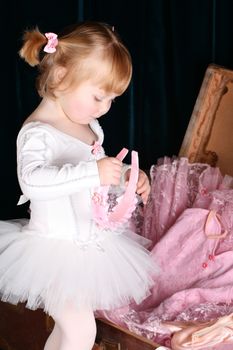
(90, 50)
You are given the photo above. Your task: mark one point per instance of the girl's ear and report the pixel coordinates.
(59, 74)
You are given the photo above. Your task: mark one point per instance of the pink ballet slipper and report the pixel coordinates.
(200, 336)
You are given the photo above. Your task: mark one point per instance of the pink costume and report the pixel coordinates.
(189, 218)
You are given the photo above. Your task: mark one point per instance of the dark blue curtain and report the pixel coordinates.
(171, 41)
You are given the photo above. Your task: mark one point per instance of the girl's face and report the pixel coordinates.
(86, 102)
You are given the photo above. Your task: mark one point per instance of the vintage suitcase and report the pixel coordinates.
(208, 139)
(114, 337)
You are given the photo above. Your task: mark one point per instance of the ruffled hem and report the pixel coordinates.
(46, 273)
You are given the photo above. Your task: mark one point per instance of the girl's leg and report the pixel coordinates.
(54, 340)
(78, 328)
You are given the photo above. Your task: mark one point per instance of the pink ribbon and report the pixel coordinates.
(52, 42)
(213, 221)
(96, 148)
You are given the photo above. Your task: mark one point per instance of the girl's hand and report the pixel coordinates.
(143, 185)
(109, 170)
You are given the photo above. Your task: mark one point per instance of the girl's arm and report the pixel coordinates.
(39, 178)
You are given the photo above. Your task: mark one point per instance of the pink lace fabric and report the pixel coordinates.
(189, 219)
(176, 185)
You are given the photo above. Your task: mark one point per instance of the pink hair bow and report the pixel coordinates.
(50, 47)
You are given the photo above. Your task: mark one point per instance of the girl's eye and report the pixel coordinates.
(97, 99)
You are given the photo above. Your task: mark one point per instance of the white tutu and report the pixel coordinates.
(61, 255)
(47, 272)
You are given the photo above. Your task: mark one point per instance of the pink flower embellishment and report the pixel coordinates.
(96, 148)
(204, 191)
(52, 42)
(204, 265)
(97, 198)
(167, 342)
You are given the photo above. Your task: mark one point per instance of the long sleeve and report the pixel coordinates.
(39, 176)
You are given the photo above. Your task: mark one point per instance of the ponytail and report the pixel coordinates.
(33, 42)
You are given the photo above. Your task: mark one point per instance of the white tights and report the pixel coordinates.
(73, 330)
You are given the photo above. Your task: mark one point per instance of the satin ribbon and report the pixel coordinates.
(213, 218)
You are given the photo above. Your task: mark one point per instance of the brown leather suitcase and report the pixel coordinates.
(208, 139)
(114, 337)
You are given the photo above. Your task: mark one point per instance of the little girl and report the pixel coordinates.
(62, 260)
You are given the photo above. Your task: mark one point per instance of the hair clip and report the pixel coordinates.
(50, 47)
(113, 29)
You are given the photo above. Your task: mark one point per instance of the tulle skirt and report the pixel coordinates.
(47, 272)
